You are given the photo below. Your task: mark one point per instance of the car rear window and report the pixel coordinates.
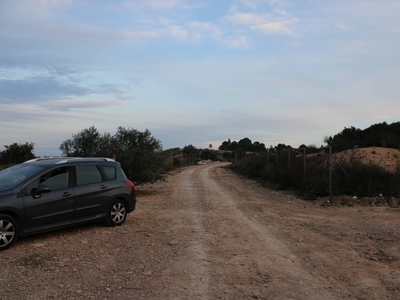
(110, 171)
(87, 175)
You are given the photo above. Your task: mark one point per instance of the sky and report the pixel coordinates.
(197, 72)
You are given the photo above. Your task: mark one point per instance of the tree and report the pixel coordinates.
(259, 147)
(377, 135)
(226, 145)
(245, 144)
(281, 146)
(189, 149)
(138, 152)
(208, 154)
(190, 154)
(87, 143)
(17, 153)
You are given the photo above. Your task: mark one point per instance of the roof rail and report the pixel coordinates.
(65, 159)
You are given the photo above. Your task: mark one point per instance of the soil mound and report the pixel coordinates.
(387, 158)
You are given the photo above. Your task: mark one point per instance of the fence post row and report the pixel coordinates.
(243, 157)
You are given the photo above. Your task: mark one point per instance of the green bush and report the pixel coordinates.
(208, 154)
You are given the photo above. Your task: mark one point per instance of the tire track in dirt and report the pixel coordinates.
(241, 241)
(227, 252)
(189, 228)
(255, 253)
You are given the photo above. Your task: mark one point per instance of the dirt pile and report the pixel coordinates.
(386, 158)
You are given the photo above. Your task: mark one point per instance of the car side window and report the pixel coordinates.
(87, 175)
(55, 179)
(110, 171)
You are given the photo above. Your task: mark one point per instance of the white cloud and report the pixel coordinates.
(254, 4)
(134, 35)
(236, 42)
(82, 104)
(274, 27)
(244, 18)
(37, 8)
(264, 22)
(162, 4)
(140, 5)
(199, 31)
(178, 32)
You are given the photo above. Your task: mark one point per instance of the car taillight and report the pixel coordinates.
(131, 185)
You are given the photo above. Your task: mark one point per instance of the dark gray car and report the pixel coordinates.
(46, 194)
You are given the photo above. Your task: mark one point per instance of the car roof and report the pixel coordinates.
(51, 161)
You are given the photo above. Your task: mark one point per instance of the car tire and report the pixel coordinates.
(117, 213)
(9, 231)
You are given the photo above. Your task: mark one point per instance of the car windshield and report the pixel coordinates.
(11, 177)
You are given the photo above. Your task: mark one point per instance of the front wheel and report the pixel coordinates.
(9, 231)
(116, 214)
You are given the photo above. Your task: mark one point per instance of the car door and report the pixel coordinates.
(90, 193)
(48, 199)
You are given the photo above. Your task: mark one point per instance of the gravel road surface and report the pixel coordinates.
(206, 233)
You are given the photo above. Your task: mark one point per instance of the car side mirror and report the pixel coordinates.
(41, 189)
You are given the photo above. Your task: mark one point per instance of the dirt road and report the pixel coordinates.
(206, 233)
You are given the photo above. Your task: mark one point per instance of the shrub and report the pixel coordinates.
(354, 178)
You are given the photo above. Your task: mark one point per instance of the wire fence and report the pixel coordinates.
(318, 173)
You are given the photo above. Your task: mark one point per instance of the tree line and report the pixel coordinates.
(244, 145)
(143, 159)
(377, 135)
(286, 168)
(139, 153)
(16, 153)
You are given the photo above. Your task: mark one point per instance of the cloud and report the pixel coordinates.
(52, 84)
(264, 22)
(236, 42)
(35, 8)
(178, 32)
(162, 4)
(199, 31)
(275, 27)
(82, 104)
(139, 5)
(38, 89)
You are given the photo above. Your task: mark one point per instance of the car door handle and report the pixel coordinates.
(66, 194)
(103, 187)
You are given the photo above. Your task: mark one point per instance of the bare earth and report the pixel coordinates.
(387, 158)
(206, 233)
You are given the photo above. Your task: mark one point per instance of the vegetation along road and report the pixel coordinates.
(205, 233)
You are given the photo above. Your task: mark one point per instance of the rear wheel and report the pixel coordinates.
(116, 214)
(9, 231)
